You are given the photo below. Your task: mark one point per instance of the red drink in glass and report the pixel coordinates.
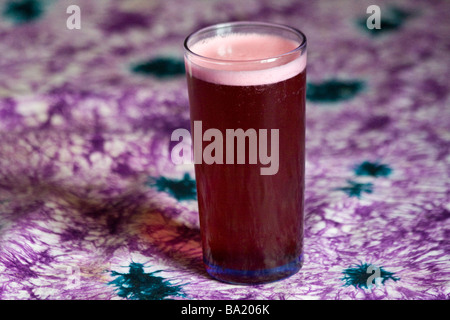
(249, 76)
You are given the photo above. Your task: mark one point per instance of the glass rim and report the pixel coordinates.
(296, 31)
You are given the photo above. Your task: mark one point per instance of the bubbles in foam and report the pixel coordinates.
(245, 59)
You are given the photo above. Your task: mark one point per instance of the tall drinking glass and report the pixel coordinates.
(246, 84)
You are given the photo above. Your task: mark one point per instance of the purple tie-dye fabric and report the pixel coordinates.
(89, 198)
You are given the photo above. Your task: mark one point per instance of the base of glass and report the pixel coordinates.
(250, 277)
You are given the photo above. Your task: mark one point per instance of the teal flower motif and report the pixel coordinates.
(392, 19)
(373, 169)
(333, 90)
(160, 67)
(184, 189)
(23, 11)
(358, 275)
(355, 189)
(138, 285)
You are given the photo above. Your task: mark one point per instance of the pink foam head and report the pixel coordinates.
(235, 54)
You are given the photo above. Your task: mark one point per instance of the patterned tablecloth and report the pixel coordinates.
(92, 207)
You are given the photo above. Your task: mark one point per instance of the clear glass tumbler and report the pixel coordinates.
(246, 84)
